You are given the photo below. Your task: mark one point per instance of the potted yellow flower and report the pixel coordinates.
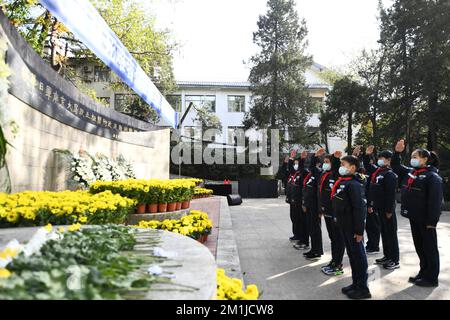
(171, 200)
(152, 199)
(162, 205)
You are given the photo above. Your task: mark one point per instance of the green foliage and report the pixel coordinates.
(208, 119)
(99, 257)
(408, 80)
(281, 98)
(344, 105)
(139, 109)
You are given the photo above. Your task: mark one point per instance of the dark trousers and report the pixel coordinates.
(336, 240)
(304, 227)
(296, 213)
(425, 242)
(358, 259)
(315, 230)
(373, 231)
(389, 236)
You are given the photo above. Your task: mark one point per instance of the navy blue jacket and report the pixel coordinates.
(311, 185)
(294, 185)
(349, 205)
(381, 193)
(422, 199)
(325, 204)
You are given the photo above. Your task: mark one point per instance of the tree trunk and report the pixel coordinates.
(325, 142)
(349, 131)
(376, 102)
(432, 126)
(275, 81)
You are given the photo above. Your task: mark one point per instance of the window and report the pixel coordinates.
(105, 101)
(122, 102)
(236, 135)
(102, 74)
(236, 103)
(317, 104)
(175, 102)
(208, 102)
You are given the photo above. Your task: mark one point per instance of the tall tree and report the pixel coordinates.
(281, 98)
(344, 105)
(417, 35)
(370, 69)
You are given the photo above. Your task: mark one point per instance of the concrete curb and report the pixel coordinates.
(227, 256)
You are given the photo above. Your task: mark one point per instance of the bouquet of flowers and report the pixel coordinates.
(102, 168)
(126, 167)
(82, 172)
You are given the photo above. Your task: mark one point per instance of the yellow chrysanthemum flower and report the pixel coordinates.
(74, 227)
(5, 273)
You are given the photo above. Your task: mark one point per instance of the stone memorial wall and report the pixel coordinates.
(49, 113)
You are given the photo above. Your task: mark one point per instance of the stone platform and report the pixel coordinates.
(193, 265)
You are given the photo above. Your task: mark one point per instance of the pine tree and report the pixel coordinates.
(280, 95)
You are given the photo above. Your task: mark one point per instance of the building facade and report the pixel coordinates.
(227, 100)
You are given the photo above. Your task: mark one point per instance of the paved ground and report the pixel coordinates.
(262, 228)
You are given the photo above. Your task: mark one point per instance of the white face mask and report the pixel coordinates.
(295, 167)
(343, 171)
(415, 163)
(326, 167)
(381, 163)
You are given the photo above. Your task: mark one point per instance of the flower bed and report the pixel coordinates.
(196, 225)
(153, 195)
(92, 263)
(38, 208)
(231, 288)
(202, 192)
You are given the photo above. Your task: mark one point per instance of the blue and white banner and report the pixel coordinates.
(84, 21)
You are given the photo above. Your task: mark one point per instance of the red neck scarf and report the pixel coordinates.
(375, 174)
(305, 181)
(336, 185)
(415, 174)
(322, 181)
(293, 176)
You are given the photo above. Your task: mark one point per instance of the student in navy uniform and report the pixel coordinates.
(422, 193)
(283, 172)
(303, 222)
(349, 207)
(381, 201)
(328, 177)
(294, 198)
(311, 206)
(373, 224)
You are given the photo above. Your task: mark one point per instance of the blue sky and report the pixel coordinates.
(216, 35)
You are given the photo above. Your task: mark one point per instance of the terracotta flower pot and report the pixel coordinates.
(185, 204)
(140, 209)
(178, 207)
(171, 206)
(162, 207)
(152, 208)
